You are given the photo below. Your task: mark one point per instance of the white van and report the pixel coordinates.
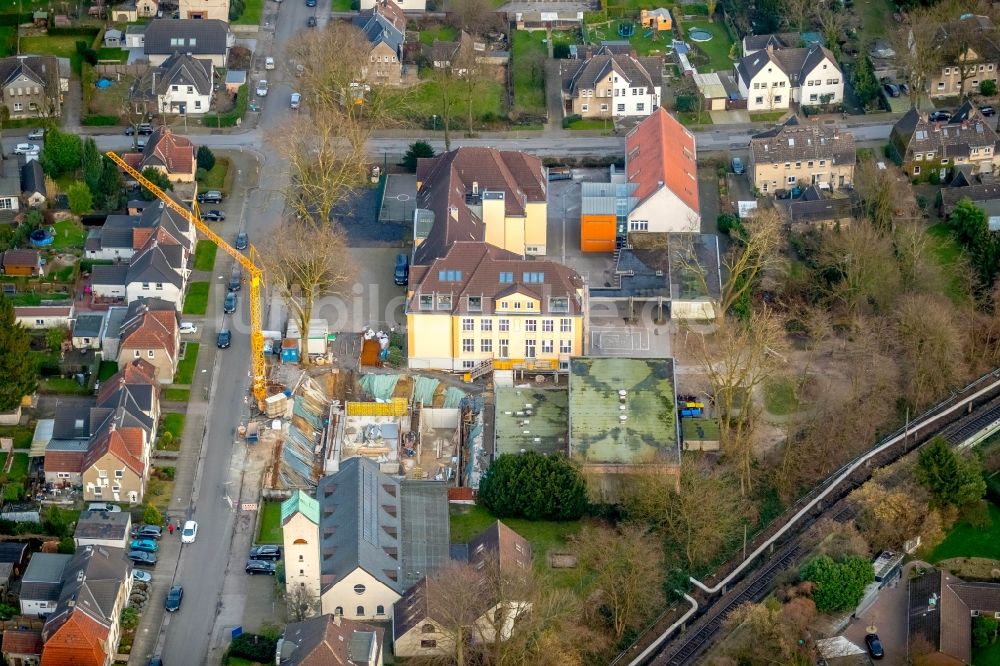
(296, 100)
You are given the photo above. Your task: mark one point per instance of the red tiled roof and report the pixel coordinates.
(64, 461)
(22, 642)
(76, 643)
(44, 311)
(169, 150)
(156, 329)
(138, 371)
(661, 152)
(125, 444)
(139, 237)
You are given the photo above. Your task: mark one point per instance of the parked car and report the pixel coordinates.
(260, 567)
(103, 506)
(190, 532)
(235, 279)
(142, 576)
(268, 62)
(25, 148)
(141, 557)
(737, 165)
(174, 596)
(36, 135)
(310, 3)
(262, 88)
(229, 305)
(903, 88)
(939, 116)
(147, 532)
(188, 327)
(145, 129)
(296, 100)
(874, 645)
(985, 110)
(265, 553)
(242, 241)
(311, 22)
(140, 144)
(402, 273)
(213, 215)
(210, 196)
(892, 89)
(225, 339)
(148, 545)
(155, 661)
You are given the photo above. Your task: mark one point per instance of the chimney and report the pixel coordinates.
(965, 124)
(770, 48)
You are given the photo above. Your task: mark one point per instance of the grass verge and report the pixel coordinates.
(252, 12)
(591, 124)
(270, 523)
(215, 178)
(185, 369)
(196, 302)
(766, 116)
(62, 386)
(204, 255)
(692, 118)
(176, 394)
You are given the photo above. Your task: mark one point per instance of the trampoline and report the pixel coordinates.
(699, 35)
(103, 83)
(626, 29)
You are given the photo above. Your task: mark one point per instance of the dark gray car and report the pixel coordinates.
(229, 305)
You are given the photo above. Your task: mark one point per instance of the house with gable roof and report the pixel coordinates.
(364, 539)
(774, 78)
(384, 25)
(85, 627)
(151, 331)
(122, 236)
(967, 140)
(182, 84)
(330, 639)
(795, 154)
(169, 153)
(201, 38)
(613, 85)
(941, 609)
(31, 86)
(419, 629)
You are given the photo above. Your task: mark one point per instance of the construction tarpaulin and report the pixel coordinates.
(453, 397)
(379, 387)
(301, 448)
(423, 390)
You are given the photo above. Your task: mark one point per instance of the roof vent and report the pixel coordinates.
(622, 418)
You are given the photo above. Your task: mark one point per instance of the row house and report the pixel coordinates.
(775, 78)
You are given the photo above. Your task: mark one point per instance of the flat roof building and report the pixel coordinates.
(531, 419)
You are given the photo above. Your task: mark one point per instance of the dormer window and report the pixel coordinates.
(475, 303)
(426, 302)
(444, 301)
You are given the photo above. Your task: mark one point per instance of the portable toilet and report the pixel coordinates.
(289, 351)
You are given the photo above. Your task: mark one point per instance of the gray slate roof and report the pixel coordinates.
(72, 421)
(647, 72)
(91, 581)
(797, 63)
(194, 36)
(88, 325)
(914, 133)
(103, 525)
(380, 28)
(179, 69)
(795, 142)
(157, 263)
(33, 178)
(43, 69)
(42, 580)
(109, 274)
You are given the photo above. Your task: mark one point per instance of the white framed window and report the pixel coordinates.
(604, 107)
(621, 108)
(529, 349)
(916, 170)
(485, 324)
(468, 345)
(531, 325)
(486, 346)
(504, 325)
(565, 346)
(547, 324)
(119, 473)
(468, 365)
(565, 325)
(640, 106)
(918, 157)
(547, 346)
(503, 346)
(102, 474)
(426, 302)
(468, 324)
(637, 225)
(791, 180)
(150, 353)
(585, 108)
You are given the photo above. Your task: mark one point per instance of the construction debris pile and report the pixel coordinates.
(305, 437)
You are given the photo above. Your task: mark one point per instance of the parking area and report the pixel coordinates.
(373, 299)
(888, 615)
(563, 233)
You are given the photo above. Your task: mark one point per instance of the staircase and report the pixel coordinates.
(484, 368)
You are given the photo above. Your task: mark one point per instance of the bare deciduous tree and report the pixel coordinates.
(916, 46)
(306, 261)
(879, 194)
(700, 515)
(798, 12)
(767, 633)
(627, 566)
(865, 267)
(738, 358)
(930, 338)
(831, 20)
(888, 517)
(301, 603)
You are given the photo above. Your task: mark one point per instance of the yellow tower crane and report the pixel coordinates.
(256, 274)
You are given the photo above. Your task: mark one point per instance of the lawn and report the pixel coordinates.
(270, 523)
(341, 5)
(543, 536)
(70, 234)
(31, 298)
(176, 394)
(987, 656)
(252, 12)
(19, 468)
(204, 255)
(107, 370)
(7, 34)
(61, 46)
(717, 49)
(964, 540)
(692, 118)
(22, 435)
(215, 179)
(173, 422)
(196, 302)
(948, 253)
(767, 116)
(875, 16)
(440, 33)
(528, 60)
(592, 124)
(112, 54)
(62, 385)
(779, 396)
(424, 101)
(185, 369)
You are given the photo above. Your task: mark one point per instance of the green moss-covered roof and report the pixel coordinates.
(647, 434)
(299, 501)
(517, 430)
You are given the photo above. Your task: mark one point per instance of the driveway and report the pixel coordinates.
(373, 299)
(889, 614)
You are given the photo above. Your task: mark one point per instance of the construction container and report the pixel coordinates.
(289, 351)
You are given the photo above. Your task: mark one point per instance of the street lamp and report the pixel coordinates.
(434, 119)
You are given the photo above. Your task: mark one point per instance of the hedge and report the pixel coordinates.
(78, 31)
(13, 19)
(229, 118)
(100, 121)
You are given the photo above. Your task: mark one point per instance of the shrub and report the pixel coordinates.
(984, 631)
(839, 585)
(416, 150)
(229, 118)
(100, 121)
(569, 120)
(988, 87)
(129, 618)
(253, 647)
(13, 492)
(533, 486)
(166, 439)
(151, 515)
(67, 546)
(167, 473)
(206, 158)
(54, 522)
(685, 103)
(560, 51)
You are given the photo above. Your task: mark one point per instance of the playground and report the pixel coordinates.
(709, 38)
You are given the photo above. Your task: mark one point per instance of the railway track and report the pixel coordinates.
(955, 425)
